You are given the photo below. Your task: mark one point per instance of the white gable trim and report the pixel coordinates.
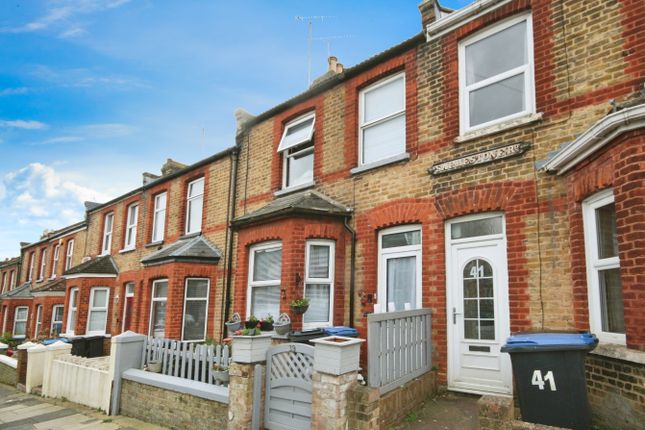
(595, 137)
(454, 20)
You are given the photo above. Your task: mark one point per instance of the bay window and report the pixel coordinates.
(297, 148)
(107, 233)
(496, 74)
(39, 320)
(20, 321)
(399, 274)
(73, 311)
(382, 120)
(195, 206)
(158, 308)
(131, 227)
(195, 310)
(606, 313)
(57, 320)
(97, 315)
(265, 266)
(319, 283)
(159, 217)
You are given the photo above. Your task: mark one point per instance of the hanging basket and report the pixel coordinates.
(299, 310)
(283, 324)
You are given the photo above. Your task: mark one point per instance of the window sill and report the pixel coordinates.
(498, 128)
(376, 164)
(153, 244)
(619, 352)
(125, 251)
(189, 235)
(290, 190)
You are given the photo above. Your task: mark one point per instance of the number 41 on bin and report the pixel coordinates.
(540, 381)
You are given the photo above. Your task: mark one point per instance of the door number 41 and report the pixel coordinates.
(540, 381)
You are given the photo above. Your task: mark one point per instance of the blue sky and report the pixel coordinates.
(95, 92)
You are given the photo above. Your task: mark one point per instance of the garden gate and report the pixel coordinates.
(288, 387)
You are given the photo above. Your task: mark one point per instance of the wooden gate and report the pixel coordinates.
(288, 387)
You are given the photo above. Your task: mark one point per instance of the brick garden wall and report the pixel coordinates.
(171, 409)
(8, 375)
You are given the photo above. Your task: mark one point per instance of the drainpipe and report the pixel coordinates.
(232, 193)
(351, 272)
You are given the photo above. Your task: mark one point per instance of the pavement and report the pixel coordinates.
(447, 411)
(20, 411)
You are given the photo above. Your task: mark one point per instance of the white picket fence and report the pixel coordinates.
(186, 360)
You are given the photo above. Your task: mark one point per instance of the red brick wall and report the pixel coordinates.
(12, 304)
(85, 286)
(47, 303)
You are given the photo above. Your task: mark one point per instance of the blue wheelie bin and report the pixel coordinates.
(549, 372)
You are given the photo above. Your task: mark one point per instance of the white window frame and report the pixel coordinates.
(106, 246)
(39, 320)
(303, 147)
(30, 274)
(159, 217)
(189, 203)
(251, 284)
(385, 254)
(364, 126)
(16, 320)
(5, 311)
(69, 254)
(91, 309)
(55, 260)
(195, 299)
(43, 264)
(55, 321)
(4, 281)
(329, 280)
(126, 295)
(132, 220)
(12, 282)
(527, 69)
(73, 310)
(595, 264)
(153, 300)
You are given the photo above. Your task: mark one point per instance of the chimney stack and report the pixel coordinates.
(171, 166)
(428, 9)
(334, 65)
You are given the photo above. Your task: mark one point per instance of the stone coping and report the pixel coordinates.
(620, 352)
(339, 341)
(180, 385)
(11, 362)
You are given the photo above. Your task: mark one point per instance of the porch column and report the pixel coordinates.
(336, 363)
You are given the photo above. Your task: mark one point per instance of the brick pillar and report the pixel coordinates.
(363, 404)
(336, 363)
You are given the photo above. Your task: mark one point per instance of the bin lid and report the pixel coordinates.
(341, 331)
(523, 342)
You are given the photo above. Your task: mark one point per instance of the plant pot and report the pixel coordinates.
(221, 376)
(266, 326)
(282, 329)
(249, 324)
(251, 349)
(299, 310)
(232, 326)
(337, 355)
(154, 366)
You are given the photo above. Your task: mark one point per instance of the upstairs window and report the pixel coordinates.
(265, 267)
(12, 281)
(606, 313)
(4, 281)
(159, 217)
(496, 74)
(43, 264)
(69, 254)
(55, 260)
(107, 233)
(382, 120)
(195, 206)
(297, 148)
(20, 322)
(131, 227)
(31, 266)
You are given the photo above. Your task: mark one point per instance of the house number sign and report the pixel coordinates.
(484, 157)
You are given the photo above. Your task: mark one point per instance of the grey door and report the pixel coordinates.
(288, 387)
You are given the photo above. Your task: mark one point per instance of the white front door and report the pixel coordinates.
(477, 305)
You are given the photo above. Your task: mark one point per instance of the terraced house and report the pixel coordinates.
(489, 168)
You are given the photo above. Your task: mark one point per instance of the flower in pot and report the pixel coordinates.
(300, 306)
(255, 331)
(266, 324)
(234, 323)
(283, 325)
(220, 373)
(252, 322)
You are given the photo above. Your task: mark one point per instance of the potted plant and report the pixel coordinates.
(266, 324)
(220, 373)
(252, 322)
(283, 325)
(300, 306)
(233, 324)
(337, 354)
(250, 345)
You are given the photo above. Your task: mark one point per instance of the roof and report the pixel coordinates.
(189, 249)
(309, 202)
(10, 262)
(104, 265)
(20, 292)
(55, 286)
(56, 233)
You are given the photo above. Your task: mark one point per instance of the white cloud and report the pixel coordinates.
(81, 77)
(105, 130)
(61, 139)
(23, 124)
(13, 91)
(72, 32)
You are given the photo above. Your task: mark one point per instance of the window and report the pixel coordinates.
(265, 268)
(382, 120)
(39, 320)
(107, 233)
(131, 227)
(158, 308)
(159, 217)
(319, 283)
(496, 74)
(195, 309)
(97, 316)
(5, 309)
(55, 260)
(399, 281)
(4, 281)
(195, 206)
(69, 254)
(43, 264)
(57, 320)
(12, 282)
(73, 307)
(31, 266)
(127, 306)
(297, 147)
(603, 268)
(20, 322)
